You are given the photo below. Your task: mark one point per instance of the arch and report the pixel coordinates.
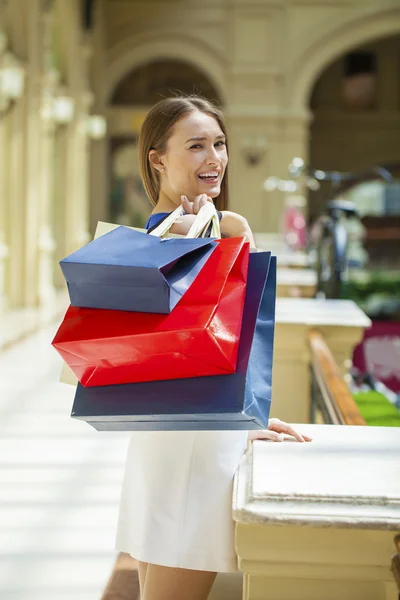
(139, 50)
(331, 45)
(148, 83)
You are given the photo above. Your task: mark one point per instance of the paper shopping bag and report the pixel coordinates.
(125, 269)
(236, 401)
(199, 337)
(131, 271)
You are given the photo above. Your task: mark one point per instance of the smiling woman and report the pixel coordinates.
(176, 505)
(195, 150)
(183, 149)
(180, 139)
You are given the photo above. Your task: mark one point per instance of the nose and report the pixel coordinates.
(213, 158)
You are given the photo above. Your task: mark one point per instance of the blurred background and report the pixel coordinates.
(318, 82)
(311, 94)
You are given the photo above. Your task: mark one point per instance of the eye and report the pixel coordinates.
(221, 143)
(195, 146)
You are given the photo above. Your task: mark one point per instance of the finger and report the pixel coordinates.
(196, 204)
(294, 433)
(203, 200)
(187, 206)
(267, 435)
(275, 437)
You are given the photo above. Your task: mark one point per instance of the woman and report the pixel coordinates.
(175, 512)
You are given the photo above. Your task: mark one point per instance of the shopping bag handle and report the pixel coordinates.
(206, 215)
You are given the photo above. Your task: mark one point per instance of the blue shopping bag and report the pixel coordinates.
(129, 270)
(236, 401)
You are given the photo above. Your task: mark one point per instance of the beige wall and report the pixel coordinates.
(263, 57)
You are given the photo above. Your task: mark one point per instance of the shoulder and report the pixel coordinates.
(156, 219)
(233, 217)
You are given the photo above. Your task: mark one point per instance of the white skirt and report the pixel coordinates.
(176, 501)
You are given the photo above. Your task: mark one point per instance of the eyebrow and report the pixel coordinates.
(202, 138)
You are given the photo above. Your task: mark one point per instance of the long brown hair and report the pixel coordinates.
(156, 131)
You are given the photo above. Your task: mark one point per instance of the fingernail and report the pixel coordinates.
(281, 437)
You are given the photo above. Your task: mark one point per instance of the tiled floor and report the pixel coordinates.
(59, 483)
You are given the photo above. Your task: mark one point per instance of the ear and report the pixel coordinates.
(155, 160)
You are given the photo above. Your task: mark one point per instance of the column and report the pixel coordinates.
(262, 145)
(341, 323)
(60, 200)
(31, 179)
(289, 138)
(16, 203)
(12, 171)
(3, 212)
(46, 241)
(99, 176)
(77, 207)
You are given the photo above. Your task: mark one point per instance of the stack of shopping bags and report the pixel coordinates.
(170, 332)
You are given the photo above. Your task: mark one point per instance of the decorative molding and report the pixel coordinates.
(147, 47)
(315, 571)
(246, 111)
(351, 32)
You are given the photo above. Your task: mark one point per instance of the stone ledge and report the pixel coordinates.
(348, 477)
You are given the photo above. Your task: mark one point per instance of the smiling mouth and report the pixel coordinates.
(209, 177)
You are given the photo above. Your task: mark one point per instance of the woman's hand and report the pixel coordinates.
(275, 432)
(192, 208)
(232, 224)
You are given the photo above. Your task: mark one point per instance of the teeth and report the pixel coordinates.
(210, 174)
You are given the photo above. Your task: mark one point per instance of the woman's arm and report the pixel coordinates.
(183, 224)
(232, 224)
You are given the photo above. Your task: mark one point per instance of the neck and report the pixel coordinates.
(167, 202)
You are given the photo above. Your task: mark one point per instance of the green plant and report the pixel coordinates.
(376, 409)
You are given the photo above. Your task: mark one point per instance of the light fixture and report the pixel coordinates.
(63, 109)
(271, 184)
(296, 166)
(96, 127)
(254, 149)
(12, 77)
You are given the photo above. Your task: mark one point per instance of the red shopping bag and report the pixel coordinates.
(199, 337)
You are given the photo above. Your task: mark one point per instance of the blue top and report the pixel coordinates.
(155, 219)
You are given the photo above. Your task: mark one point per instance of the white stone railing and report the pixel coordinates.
(319, 520)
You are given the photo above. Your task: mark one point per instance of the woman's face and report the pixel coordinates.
(196, 157)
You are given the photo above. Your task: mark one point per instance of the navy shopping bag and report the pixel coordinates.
(236, 401)
(129, 270)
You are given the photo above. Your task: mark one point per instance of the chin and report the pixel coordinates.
(213, 193)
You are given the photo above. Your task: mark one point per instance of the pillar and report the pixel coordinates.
(3, 212)
(261, 146)
(46, 239)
